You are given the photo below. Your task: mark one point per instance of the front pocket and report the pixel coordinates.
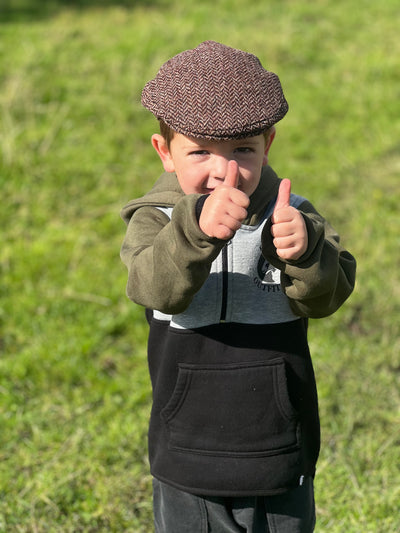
(233, 409)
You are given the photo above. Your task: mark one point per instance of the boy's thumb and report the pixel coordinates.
(283, 199)
(232, 174)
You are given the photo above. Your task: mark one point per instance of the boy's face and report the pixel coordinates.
(201, 165)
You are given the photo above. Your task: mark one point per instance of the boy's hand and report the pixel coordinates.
(225, 209)
(288, 226)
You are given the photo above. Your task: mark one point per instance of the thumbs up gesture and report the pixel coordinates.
(225, 209)
(288, 227)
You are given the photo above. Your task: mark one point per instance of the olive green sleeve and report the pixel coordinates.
(168, 260)
(320, 281)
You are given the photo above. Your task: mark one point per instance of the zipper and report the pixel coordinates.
(224, 302)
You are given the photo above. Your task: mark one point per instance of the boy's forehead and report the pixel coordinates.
(215, 92)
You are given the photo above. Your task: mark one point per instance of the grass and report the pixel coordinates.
(74, 148)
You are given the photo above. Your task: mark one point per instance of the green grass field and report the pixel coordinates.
(74, 148)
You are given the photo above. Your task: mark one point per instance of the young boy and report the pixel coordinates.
(229, 265)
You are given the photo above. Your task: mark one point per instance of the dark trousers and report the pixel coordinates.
(176, 511)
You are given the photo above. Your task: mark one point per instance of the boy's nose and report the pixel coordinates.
(219, 167)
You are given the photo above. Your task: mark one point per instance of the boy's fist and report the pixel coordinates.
(288, 226)
(225, 209)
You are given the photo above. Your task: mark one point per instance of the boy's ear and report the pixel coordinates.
(161, 147)
(268, 143)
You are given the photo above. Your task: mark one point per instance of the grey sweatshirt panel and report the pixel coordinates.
(253, 288)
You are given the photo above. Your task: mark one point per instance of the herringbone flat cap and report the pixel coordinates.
(215, 92)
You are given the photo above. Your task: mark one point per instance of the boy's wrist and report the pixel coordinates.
(199, 206)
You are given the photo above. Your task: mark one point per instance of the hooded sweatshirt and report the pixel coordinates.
(235, 408)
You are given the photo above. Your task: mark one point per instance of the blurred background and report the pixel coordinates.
(75, 147)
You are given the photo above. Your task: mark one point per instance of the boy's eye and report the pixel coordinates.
(244, 149)
(199, 152)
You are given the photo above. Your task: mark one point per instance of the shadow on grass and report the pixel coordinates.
(30, 10)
